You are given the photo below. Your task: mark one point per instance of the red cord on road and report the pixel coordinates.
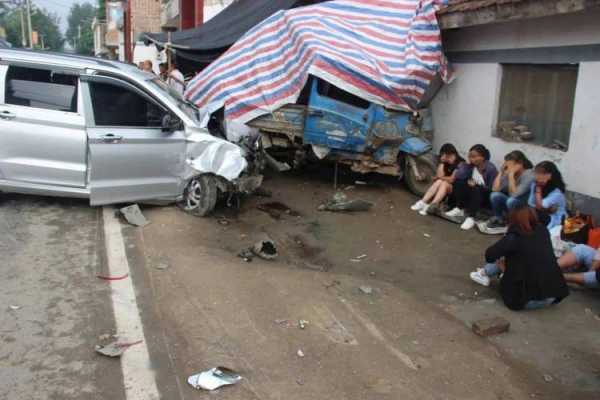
(112, 278)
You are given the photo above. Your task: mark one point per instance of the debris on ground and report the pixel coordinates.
(490, 326)
(427, 235)
(302, 324)
(161, 266)
(340, 203)
(246, 255)
(359, 258)
(283, 322)
(14, 308)
(275, 209)
(134, 216)
(366, 289)
(265, 249)
(300, 353)
(223, 221)
(332, 284)
(548, 378)
(214, 379)
(114, 349)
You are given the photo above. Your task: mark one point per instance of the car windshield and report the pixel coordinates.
(188, 108)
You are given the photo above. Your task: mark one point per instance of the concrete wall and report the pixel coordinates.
(466, 111)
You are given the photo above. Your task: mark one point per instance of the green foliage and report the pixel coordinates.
(42, 21)
(101, 13)
(79, 32)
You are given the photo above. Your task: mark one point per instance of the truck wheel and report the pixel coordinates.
(200, 196)
(426, 166)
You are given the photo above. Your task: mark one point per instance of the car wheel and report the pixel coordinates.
(200, 196)
(426, 167)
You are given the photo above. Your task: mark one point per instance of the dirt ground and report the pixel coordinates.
(409, 339)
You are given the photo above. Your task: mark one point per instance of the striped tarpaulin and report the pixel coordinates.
(385, 51)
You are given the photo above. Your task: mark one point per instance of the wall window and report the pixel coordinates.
(536, 103)
(41, 88)
(117, 106)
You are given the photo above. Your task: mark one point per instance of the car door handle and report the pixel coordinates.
(315, 113)
(111, 138)
(7, 115)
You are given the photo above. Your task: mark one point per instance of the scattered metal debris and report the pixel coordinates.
(214, 379)
(161, 266)
(340, 203)
(134, 216)
(246, 255)
(366, 289)
(114, 349)
(359, 258)
(265, 249)
(302, 324)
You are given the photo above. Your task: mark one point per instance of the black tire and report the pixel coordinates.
(200, 196)
(426, 167)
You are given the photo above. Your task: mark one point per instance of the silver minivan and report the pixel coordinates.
(103, 130)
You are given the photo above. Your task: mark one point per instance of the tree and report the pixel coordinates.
(79, 32)
(101, 13)
(42, 21)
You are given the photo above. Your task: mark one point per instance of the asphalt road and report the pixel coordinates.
(52, 306)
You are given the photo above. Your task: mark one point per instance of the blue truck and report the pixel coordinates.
(330, 124)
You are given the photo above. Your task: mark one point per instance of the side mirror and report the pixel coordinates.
(170, 123)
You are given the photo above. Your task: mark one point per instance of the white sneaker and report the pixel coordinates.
(418, 206)
(425, 210)
(480, 277)
(468, 224)
(455, 212)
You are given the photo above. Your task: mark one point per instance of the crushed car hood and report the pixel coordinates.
(208, 154)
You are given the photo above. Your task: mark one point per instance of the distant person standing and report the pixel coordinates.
(175, 79)
(163, 73)
(147, 66)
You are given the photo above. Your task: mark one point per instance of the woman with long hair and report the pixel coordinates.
(547, 194)
(511, 187)
(531, 277)
(473, 185)
(444, 180)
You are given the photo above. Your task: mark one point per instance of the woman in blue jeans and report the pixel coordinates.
(530, 277)
(511, 187)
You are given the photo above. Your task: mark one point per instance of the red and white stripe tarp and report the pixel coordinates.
(385, 51)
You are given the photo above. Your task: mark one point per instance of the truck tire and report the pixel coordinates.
(426, 167)
(200, 196)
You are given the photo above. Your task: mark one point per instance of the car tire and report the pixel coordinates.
(426, 166)
(200, 196)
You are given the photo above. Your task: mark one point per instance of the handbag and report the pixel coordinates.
(576, 229)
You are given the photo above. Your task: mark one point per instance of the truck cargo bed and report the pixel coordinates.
(288, 120)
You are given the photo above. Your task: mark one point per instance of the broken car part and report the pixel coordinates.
(214, 379)
(134, 216)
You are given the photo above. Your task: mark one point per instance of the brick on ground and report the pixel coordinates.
(490, 326)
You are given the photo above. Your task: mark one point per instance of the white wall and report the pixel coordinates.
(213, 7)
(465, 112)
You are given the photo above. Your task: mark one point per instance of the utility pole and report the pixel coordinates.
(29, 24)
(23, 37)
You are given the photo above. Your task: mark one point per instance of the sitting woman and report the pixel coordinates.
(531, 277)
(473, 185)
(511, 187)
(582, 256)
(442, 186)
(547, 194)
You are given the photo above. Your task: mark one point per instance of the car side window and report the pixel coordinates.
(115, 105)
(41, 88)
